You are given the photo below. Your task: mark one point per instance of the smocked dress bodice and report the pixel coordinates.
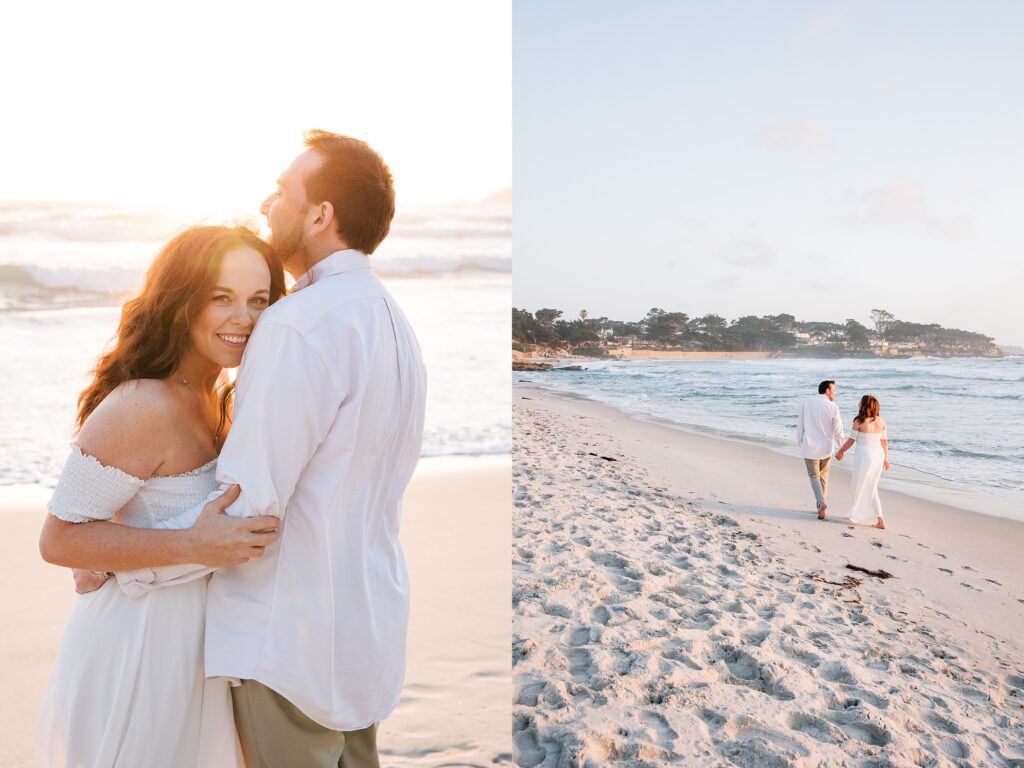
(88, 490)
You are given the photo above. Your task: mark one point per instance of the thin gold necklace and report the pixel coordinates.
(187, 383)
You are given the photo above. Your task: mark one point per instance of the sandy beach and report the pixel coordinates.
(676, 600)
(454, 708)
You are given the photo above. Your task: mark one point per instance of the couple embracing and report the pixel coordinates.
(819, 431)
(245, 596)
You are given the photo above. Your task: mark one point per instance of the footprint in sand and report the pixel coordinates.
(1015, 681)
(579, 636)
(580, 663)
(838, 672)
(715, 719)
(946, 571)
(855, 725)
(658, 722)
(815, 727)
(944, 724)
(529, 752)
(529, 694)
(756, 636)
(601, 615)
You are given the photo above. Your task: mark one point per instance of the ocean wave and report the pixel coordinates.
(434, 265)
(32, 286)
(107, 223)
(97, 281)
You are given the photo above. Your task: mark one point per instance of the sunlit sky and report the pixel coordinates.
(204, 103)
(820, 159)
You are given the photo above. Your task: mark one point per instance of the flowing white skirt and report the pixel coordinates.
(867, 469)
(128, 688)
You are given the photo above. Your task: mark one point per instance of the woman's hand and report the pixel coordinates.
(886, 465)
(89, 581)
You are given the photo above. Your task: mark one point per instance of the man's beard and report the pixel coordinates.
(292, 251)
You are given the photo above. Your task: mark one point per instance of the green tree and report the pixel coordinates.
(857, 335)
(663, 327)
(883, 321)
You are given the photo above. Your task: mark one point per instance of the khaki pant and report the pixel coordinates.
(276, 734)
(817, 471)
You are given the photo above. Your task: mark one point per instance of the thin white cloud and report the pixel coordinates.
(898, 202)
(725, 282)
(819, 29)
(902, 203)
(795, 136)
(747, 253)
(952, 229)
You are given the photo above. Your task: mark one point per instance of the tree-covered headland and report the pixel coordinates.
(887, 336)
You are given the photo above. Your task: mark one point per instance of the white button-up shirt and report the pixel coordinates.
(327, 431)
(819, 429)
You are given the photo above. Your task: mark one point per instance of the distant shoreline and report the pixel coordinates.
(542, 356)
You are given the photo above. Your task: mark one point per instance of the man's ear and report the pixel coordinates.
(323, 218)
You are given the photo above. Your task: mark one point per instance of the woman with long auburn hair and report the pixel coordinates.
(129, 687)
(871, 458)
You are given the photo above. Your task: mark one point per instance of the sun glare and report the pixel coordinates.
(203, 105)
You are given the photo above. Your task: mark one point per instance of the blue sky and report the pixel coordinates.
(821, 159)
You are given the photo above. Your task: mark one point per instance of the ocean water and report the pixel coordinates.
(953, 423)
(66, 269)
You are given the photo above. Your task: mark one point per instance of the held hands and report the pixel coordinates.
(217, 539)
(839, 454)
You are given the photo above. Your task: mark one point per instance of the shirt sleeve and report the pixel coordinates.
(837, 426)
(286, 400)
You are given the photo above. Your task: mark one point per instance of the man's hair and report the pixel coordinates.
(823, 387)
(356, 181)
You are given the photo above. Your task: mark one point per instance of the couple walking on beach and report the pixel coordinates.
(819, 430)
(244, 592)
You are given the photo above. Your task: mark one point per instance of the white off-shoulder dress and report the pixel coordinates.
(128, 689)
(868, 462)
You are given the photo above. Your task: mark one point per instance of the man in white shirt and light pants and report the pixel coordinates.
(819, 430)
(327, 429)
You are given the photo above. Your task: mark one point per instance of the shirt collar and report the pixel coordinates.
(338, 262)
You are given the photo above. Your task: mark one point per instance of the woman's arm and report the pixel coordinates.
(122, 443)
(845, 447)
(215, 540)
(850, 441)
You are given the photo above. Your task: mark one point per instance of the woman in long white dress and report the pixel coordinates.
(871, 458)
(128, 688)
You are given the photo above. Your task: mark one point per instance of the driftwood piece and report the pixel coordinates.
(606, 458)
(879, 573)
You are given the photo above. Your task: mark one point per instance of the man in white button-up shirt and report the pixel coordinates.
(819, 430)
(326, 434)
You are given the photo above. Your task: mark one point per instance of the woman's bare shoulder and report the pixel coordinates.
(129, 428)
